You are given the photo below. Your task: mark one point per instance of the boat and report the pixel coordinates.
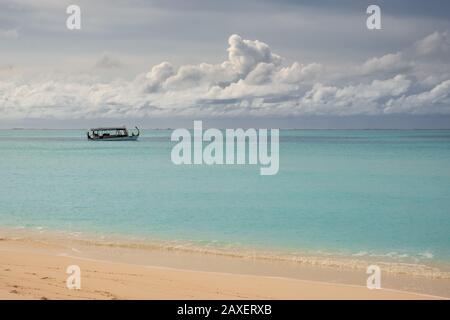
(112, 134)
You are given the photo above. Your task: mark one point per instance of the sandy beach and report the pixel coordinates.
(31, 268)
(222, 150)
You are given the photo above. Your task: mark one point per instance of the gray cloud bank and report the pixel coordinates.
(253, 81)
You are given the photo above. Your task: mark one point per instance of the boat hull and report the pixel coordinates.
(129, 138)
(118, 134)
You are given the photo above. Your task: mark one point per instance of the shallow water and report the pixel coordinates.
(382, 193)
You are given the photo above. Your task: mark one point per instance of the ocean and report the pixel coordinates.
(361, 193)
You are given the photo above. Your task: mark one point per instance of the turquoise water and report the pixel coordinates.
(352, 192)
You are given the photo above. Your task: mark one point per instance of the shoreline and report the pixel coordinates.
(35, 248)
(393, 263)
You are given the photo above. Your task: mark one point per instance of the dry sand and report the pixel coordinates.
(37, 270)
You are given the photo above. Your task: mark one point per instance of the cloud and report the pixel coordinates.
(298, 73)
(158, 75)
(436, 100)
(9, 33)
(387, 63)
(107, 61)
(253, 80)
(245, 55)
(6, 68)
(353, 99)
(437, 44)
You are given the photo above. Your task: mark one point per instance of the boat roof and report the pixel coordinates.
(108, 128)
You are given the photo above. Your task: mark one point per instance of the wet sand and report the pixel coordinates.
(35, 268)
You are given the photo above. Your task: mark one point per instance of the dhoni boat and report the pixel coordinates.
(112, 134)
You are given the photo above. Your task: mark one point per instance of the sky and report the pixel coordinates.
(287, 64)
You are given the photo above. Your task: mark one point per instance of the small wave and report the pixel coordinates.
(360, 254)
(359, 260)
(421, 264)
(427, 255)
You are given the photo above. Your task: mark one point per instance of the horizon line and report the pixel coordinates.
(170, 128)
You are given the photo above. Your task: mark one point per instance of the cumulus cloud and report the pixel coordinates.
(253, 80)
(387, 63)
(245, 55)
(437, 43)
(299, 73)
(436, 100)
(159, 74)
(353, 99)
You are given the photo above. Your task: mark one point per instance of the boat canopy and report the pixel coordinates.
(108, 128)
